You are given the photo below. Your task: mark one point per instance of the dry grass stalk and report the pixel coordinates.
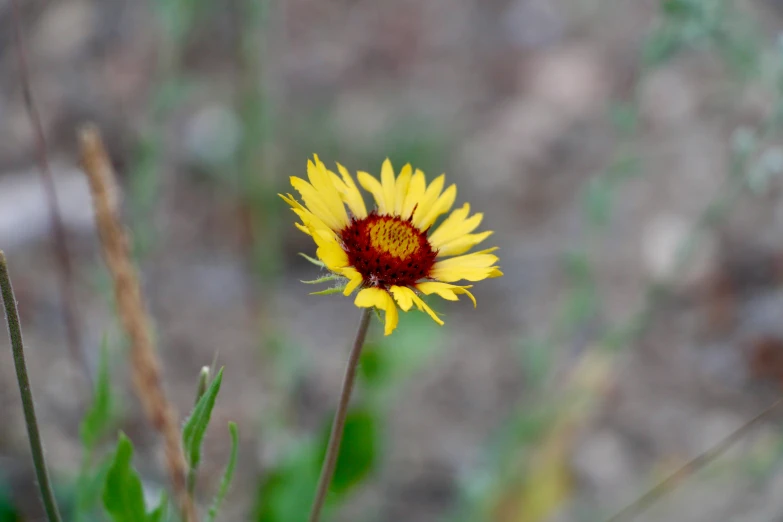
(132, 311)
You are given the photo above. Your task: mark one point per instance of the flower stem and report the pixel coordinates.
(15, 332)
(692, 466)
(338, 425)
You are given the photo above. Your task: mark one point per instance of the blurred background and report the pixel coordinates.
(627, 154)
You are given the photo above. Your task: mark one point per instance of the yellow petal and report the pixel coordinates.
(322, 182)
(404, 297)
(303, 228)
(333, 256)
(354, 279)
(323, 237)
(389, 185)
(450, 275)
(454, 226)
(352, 195)
(403, 181)
(429, 198)
(416, 190)
(421, 305)
(381, 300)
(480, 259)
(309, 220)
(471, 267)
(392, 316)
(445, 290)
(371, 297)
(315, 204)
(462, 244)
(441, 205)
(374, 187)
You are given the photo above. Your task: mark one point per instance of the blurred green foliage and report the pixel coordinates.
(286, 487)
(196, 425)
(228, 474)
(123, 494)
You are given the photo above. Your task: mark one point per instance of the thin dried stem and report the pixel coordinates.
(691, 467)
(59, 236)
(133, 313)
(28, 405)
(338, 425)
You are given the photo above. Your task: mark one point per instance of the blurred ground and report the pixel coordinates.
(515, 101)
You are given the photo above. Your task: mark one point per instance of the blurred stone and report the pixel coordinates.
(532, 23)
(212, 135)
(667, 98)
(603, 461)
(710, 428)
(64, 30)
(572, 80)
(18, 129)
(516, 138)
(24, 215)
(361, 119)
(663, 241)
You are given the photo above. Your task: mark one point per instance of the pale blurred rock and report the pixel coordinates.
(573, 80)
(361, 118)
(667, 98)
(663, 240)
(64, 30)
(603, 461)
(517, 137)
(212, 135)
(712, 427)
(532, 23)
(19, 129)
(24, 215)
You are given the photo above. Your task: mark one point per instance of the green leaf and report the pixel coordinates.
(123, 496)
(89, 486)
(625, 118)
(196, 425)
(680, 8)
(98, 416)
(287, 489)
(537, 360)
(358, 450)
(8, 511)
(329, 291)
(598, 201)
(314, 261)
(661, 46)
(324, 279)
(159, 513)
(374, 365)
(228, 475)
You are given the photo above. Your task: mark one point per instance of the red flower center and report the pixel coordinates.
(388, 251)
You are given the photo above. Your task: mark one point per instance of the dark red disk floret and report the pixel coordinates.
(378, 263)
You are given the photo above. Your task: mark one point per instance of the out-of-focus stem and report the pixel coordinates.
(338, 425)
(28, 405)
(59, 237)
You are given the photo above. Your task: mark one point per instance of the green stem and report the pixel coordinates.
(15, 332)
(338, 425)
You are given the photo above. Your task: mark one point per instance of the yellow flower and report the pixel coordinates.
(390, 252)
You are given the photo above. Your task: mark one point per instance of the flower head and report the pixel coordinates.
(390, 252)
